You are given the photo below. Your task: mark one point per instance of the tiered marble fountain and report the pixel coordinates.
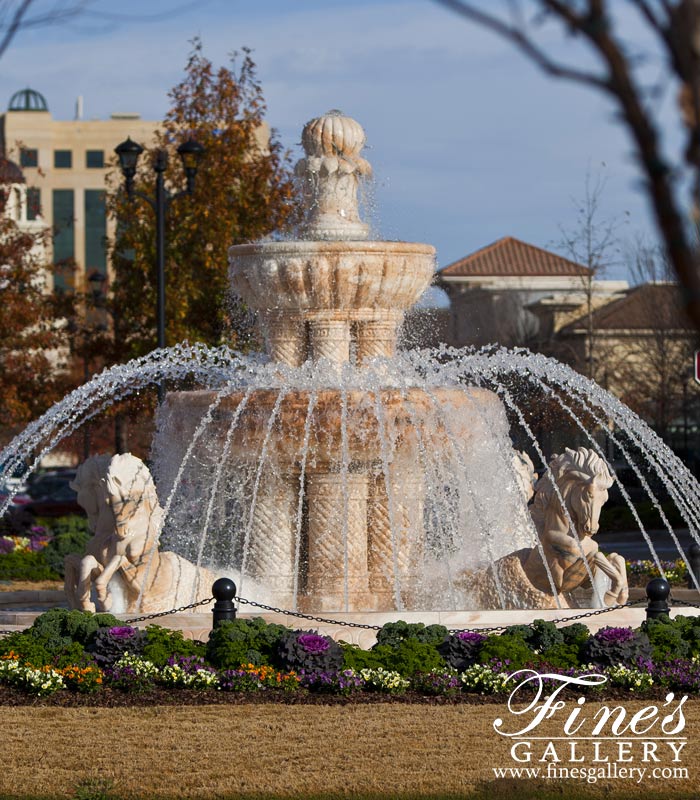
(336, 504)
(336, 475)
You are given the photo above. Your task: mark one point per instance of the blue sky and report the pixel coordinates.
(469, 141)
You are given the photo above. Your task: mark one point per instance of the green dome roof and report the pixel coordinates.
(27, 100)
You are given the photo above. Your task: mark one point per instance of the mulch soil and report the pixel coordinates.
(115, 698)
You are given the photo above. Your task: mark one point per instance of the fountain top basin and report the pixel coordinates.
(331, 275)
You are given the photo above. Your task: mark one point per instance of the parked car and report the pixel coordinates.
(48, 495)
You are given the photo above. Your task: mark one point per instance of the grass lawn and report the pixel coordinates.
(292, 751)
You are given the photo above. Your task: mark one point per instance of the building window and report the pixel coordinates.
(95, 159)
(33, 202)
(29, 157)
(63, 236)
(95, 232)
(62, 159)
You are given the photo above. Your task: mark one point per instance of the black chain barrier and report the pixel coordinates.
(243, 601)
(324, 620)
(675, 602)
(367, 627)
(172, 611)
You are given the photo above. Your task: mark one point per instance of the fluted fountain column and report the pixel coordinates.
(394, 559)
(337, 578)
(271, 548)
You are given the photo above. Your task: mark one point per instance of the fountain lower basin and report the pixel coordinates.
(336, 515)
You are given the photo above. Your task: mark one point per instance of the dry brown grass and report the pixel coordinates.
(281, 750)
(30, 586)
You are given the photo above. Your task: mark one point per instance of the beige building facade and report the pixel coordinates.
(65, 164)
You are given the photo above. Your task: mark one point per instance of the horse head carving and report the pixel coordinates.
(582, 479)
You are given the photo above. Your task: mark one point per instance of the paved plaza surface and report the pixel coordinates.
(632, 546)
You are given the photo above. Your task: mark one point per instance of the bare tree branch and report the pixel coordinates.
(14, 25)
(679, 35)
(525, 44)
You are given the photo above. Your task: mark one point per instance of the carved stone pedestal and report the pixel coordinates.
(337, 578)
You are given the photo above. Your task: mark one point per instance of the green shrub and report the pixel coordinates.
(27, 649)
(577, 634)
(59, 627)
(162, 643)
(354, 657)
(506, 647)
(25, 565)
(242, 641)
(393, 633)
(70, 535)
(521, 632)
(563, 655)
(408, 657)
(670, 639)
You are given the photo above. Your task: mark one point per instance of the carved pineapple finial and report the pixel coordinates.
(330, 175)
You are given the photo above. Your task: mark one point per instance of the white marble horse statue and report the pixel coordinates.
(548, 574)
(122, 563)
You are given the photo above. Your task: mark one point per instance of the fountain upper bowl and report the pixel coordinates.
(337, 275)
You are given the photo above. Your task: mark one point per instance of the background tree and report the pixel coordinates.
(590, 242)
(243, 192)
(33, 341)
(657, 372)
(675, 31)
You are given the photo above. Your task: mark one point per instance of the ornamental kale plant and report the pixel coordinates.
(666, 639)
(59, 627)
(408, 657)
(507, 648)
(309, 652)
(609, 647)
(244, 641)
(393, 633)
(461, 650)
(108, 645)
(162, 644)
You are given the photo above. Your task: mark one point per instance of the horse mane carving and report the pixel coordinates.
(572, 469)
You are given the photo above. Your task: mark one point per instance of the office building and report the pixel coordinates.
(65, 164)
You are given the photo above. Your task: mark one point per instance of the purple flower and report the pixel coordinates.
(342, 682)
(123, 632)
(6, 545)
(189, 664)
(313, 643)
(38, 530)
(37, 543)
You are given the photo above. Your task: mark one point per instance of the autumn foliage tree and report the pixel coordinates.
(32, 326)
(243, 192)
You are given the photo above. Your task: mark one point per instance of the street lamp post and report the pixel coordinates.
(190, 152)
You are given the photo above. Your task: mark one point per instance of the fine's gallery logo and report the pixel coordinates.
(556, 738)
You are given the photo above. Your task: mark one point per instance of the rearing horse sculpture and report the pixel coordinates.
(545, 576)
(123, 558)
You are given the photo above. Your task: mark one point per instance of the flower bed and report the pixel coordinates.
(80, 653)
(641, 571)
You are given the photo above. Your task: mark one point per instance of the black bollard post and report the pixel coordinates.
(224, 590)
(694, 561)
(658, 591)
